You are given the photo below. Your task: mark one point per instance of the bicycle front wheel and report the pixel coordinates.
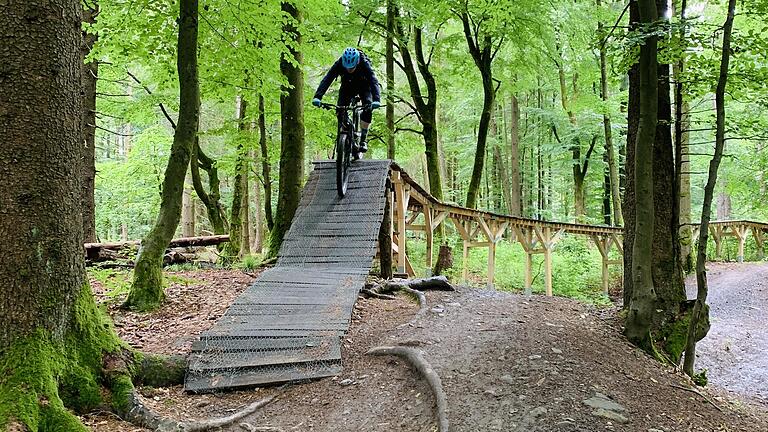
(342, 165)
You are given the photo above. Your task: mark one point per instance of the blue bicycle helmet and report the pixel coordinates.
(350, 58)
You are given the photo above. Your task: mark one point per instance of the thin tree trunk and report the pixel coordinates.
(89, 78)
(147, 289)
(606, 191)
(426, 108)
(266, 168)
(245, 209)
(390, 55)
(211, 200)
(257, 221)
(613, 170)
(723, 205)
(682, 160)
(514, 158)
(187, 209)
(232, 249)
(700, 307)
(292, 127)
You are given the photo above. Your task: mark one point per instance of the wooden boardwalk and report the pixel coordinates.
(287, 325)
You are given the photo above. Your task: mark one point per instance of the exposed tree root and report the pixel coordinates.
(370, 293)
(422, 301)
(140, 415)
(439, 283)
(417, 360)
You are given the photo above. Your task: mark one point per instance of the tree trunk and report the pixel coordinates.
(187, 210)
(211, 200)
(489, 94)
(613, 170)
(700, 307)
(257, 220)
(723, 205)
(292, 127)
(52, 335)
(682, 160)
(232, 249)
(147, 289)
(426, 108)
(606, 191)
(641, 306)
(90, 72)
(515, 180)
(266, 168)
(668, 280)
(245, 211)
(390, 79)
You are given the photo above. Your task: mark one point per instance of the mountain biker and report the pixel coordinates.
(357, 79)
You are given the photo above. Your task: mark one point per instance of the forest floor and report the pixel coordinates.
(507, 362)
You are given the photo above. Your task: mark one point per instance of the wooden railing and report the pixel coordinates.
(483, 229)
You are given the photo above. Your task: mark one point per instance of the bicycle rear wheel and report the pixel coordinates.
(342, 164)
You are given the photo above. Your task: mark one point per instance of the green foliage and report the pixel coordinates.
(700, 378)
(249, 262)
(117, 283)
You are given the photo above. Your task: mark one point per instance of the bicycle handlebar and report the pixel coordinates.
(346, 108)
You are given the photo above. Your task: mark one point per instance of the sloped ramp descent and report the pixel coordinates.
(287, 325)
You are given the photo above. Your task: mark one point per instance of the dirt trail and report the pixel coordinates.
(735, 352)
(507, 362)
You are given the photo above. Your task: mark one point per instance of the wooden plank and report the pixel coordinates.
(255, 344)
(199, 383)
(217, 360)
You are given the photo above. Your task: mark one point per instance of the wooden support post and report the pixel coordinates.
(528, 273)
(465, 264)
(547, 243)
(741, 234)
(462, 230)
(757, 233)
(715, 232)
(385, 236)
(429, 231)
(491, 264)
(401, 199)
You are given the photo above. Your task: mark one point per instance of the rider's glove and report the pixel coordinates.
(375, 104)
(316, 102)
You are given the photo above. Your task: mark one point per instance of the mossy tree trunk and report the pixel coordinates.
(700, 307)
(52, 335)
(147, 288)
(642, 302)
(292, 127)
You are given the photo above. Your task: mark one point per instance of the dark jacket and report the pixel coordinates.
(363, 78)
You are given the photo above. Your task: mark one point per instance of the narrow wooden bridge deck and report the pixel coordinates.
(287, 325)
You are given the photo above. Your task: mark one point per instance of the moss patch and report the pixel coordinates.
(41, 375)
(147, 292)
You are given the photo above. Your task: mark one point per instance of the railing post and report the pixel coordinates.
(385, 235)
(402, 207)
(741, 233)
(427, 210)
(547, 243)
(491, 264)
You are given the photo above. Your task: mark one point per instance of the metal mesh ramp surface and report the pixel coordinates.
(287, 325)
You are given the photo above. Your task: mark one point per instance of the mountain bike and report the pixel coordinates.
(346, 140)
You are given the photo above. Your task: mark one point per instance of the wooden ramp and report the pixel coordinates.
(287, 325)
